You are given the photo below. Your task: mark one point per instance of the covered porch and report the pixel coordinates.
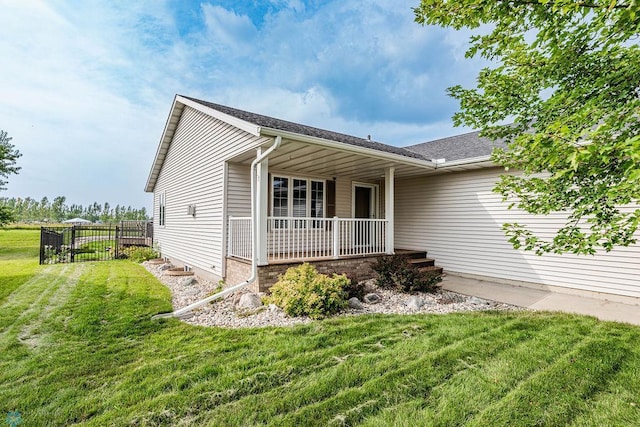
(315, 200)
(295, 238)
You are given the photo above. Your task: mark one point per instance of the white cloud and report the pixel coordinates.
(233, 31)
(87, 86)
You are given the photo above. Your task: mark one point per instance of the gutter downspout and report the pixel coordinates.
(254, 242)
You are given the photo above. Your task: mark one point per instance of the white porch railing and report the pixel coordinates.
(290, 238)
(239, 237)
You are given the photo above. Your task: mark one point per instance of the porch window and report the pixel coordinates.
(317, 199)
(304, 199)
(299, 198)
(280, 196)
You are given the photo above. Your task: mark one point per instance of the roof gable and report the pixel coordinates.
(459, 147)
(283, 125)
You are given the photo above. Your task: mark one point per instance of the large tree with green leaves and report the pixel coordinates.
(8, 158)
(566, 76)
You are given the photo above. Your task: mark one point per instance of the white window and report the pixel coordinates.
(297, 197)
(162, 208)
(317, 199)
(280, 196)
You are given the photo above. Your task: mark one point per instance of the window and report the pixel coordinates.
(280, 196)
(317, 199)
(162, 208)
(303, 199)
(299, 198)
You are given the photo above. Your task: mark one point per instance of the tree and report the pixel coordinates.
(6, 215)
(44, 209)
(58, 209)
(567, 75)
(8, 158)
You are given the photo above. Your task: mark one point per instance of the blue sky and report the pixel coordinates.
(87, 86)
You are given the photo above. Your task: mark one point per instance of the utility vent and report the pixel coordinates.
(191, 210)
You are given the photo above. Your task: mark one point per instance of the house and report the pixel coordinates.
(341, 201)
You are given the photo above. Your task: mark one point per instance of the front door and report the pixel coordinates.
(363, 207)
(363, 199)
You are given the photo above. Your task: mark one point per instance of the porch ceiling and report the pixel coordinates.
(310, 159)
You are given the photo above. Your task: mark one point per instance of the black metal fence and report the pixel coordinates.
(92, 242)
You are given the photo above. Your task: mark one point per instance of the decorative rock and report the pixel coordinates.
(188, 281)
(274, 308)
(478, 301)
(429, 303)
(447, 297)
(164, 267)
(369, 285)
(191, 292)
(249, 302)
(372, 298)
(355, 303)
(414, 303)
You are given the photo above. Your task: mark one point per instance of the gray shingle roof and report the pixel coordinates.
(458, 147)
(273, 123)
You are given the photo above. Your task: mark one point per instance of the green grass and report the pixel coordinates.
(18, 258)
(78, 346)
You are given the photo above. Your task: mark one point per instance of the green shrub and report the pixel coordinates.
(138, 253)
(395, 272)
(302, 291)
(355, 288)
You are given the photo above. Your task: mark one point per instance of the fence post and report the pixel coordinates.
(73, 243)
(336, 237)
(41, 245)
(116, 250)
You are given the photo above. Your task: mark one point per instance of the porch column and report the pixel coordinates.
(389, 206)
(262, 206)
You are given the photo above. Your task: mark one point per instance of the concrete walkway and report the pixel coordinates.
(538, 299)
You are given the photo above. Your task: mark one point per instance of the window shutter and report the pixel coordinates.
(331, 198)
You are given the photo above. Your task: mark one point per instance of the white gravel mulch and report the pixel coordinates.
(223, 312)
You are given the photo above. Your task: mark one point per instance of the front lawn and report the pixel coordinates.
(78, 346)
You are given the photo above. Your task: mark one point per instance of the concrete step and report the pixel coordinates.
(422, 262)
(432, 269)
(411, 253)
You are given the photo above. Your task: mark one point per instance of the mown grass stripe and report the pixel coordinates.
(219, 391)
(27, 303)
(319, 389)
(18, 259)
(617, 404)
(418, 379)
(469, 391)
(575, 376)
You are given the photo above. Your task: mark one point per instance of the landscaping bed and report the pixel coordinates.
(227, 311)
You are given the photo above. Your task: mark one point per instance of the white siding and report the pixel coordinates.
(343, 197)
(193, 173)
(457, 219)
(239, 190)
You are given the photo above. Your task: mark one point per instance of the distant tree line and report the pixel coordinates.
(31, 210)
